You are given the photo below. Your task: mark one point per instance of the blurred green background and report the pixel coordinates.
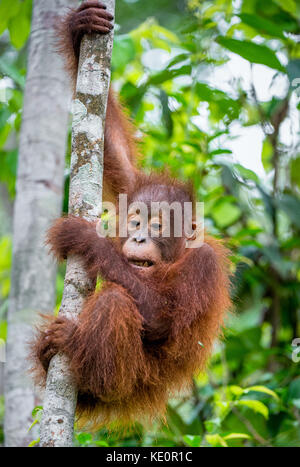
(214, 87)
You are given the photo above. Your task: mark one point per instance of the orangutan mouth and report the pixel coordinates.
(141, 263)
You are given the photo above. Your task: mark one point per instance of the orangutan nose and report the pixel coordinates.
(139, 238)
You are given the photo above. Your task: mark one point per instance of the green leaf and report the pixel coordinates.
(101, 444)
(256, 406)
(32, 425)
(263, 389)
(3, 331)
(84, 438)
(123, 51)
(295, 170)
(4, 133)
(37, 412)
(8, 167)
(289, 6)
(8, 9)
(262, 25)
(178, 59)
(223, 408)
(216, 152)
(246, 173)
(225, 213)
(237, 436)
(267, 154)
(166, 75)
(19, 24)
(19, 29)
(236, 390)
(291, 206)
(216, 440)
(34, 442)
(193, 441)
(255, 53)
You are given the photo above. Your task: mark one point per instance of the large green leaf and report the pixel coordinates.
(8, 9)
(225, 213)
(288, 5)
(262, 389)
(19, 29)
(262, 25)
(255, 53)
(256, 406)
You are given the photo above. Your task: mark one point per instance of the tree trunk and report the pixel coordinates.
(6, 211)
(85, 200)
(38, 202)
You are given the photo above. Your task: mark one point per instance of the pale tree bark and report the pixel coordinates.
(6, 211)
(38, 202)
(85, 199)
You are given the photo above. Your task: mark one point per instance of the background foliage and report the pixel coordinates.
(166, 55)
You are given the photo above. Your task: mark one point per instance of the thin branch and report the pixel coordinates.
(84, 200)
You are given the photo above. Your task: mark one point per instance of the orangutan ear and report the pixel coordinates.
(195, 238)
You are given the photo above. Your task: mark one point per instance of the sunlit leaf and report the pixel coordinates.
(34, 443)
(225, 213)
(236, 390)
(216, 440)
(288, 5)
(263, 389)
(256, 406)
(8, 9)
(237, 436)
(19, 26)
(193, 441)
(267, 154)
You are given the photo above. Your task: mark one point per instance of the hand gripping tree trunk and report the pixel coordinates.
(85, 199)
(38, 202)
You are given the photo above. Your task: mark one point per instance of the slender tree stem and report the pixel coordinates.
(85, 199)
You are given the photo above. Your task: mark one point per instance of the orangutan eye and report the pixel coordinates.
(156, 226)
(134, 224)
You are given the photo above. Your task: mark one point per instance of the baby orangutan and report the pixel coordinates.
(151, 327)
